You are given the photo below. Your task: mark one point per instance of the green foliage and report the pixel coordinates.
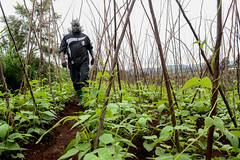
(27, 121)
(13, 71)
(204, 82)
(126, 121)
(19, 26)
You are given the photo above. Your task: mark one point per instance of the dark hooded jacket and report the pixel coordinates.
(76, 45)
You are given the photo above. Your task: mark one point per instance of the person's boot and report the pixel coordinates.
(81, 97)
(79, 93)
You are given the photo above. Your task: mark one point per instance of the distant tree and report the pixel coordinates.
(19, 24)
(19, 29)
(12, 69)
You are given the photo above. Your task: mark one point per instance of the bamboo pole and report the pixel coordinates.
(112, 77)
(166, 76)
(209, 67)
(20, 59)
(49, 58)
(53, 44)
(28, 43)
(6, 95)
(40, 41)
(115, 46)
(215, 79)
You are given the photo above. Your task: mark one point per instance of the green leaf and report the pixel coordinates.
(236, 133)
(113, 107)
(50, 113)
(82, 118)
(70, 145)
(90, 156)
(202, 44)
(69, 153)
(197, 42)
(2, 147)
(3, 130)
(81, 154)
(232, 138)
(98, 112)
(209, 122)
(128, 142)
(99, 74)
(39, 131)
(183, 157)
(18, 156)
(159, 151)
(206, 82)
(183, 127)
(142, 122)
(1, 94)
(106, 138)
(147, 146)
(161, 108)
(42, 94)
(18, 136)
(83, 147)
(12, 146)
(226, 147)
(218, 123)
(106, 75)
(133, 110)
(23, 117)
(165, 157)
(166, 133)
(238, 156)
(108, 113)
(150, 137)
(47, 115)
(214, 121)
(191, 82)
(34, 82)
(105, 152)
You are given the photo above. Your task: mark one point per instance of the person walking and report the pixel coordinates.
(77, 45)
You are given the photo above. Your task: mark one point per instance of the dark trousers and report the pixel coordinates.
(79, 76)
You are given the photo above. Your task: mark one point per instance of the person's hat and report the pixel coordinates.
(75, 22)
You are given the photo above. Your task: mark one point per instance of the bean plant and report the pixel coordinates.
(129, 120)
(29, 124)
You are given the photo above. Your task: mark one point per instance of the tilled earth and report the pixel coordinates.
(54, 143)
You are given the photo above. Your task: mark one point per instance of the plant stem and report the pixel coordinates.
(166, 76)
(111, 78)
(209, 66)
(215, 79)
(20, 59)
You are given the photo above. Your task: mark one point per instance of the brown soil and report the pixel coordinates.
(53, 144)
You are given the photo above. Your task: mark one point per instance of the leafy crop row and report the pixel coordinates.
(29, 122)
(125, 123)
(129, 121)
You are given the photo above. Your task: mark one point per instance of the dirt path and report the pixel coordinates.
(53, 144)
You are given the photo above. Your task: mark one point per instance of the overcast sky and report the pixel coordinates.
(61, 7)
(191, 7)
